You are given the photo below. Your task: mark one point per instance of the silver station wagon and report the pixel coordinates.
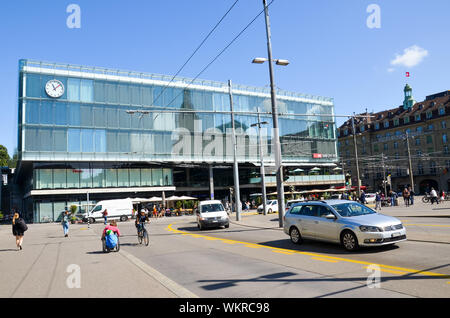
(340, 221)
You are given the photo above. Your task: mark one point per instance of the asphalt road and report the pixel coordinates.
(254, 258)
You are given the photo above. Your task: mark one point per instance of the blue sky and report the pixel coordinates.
(332, 51)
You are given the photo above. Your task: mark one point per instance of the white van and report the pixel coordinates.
(120, 209)
(211, 213)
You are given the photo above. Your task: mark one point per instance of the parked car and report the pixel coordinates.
(370, 197)
(120, 209)
(348, 223)
(211, 213)
(291, 202)
(271, 207)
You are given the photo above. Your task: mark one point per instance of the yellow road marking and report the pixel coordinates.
(282, 252)
(389, 271)
(324, 260)
(439, 225)
(385, 267)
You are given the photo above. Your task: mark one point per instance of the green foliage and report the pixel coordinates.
(73, 209)
(4, 156)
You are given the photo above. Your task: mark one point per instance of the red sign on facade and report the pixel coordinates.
(317, 155)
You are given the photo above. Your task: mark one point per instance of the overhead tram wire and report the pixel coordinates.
(195, 51)
(220, 53)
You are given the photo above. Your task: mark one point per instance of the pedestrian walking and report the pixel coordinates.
(65, 222)
(434, 196)
(377, 201)
(18, 228)
(105, 216)
(362, 198)
(406, 196)
(411, 196)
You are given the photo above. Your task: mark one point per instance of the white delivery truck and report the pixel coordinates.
(120, 209)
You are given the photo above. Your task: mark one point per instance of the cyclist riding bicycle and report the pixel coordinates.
(140, 221)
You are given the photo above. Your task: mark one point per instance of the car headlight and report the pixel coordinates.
(368, 228)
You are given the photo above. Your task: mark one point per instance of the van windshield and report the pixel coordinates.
(214, 207)
(97, 208)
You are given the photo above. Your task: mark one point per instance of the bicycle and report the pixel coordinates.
(143, 235)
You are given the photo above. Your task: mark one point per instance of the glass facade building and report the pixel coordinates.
(129, 130)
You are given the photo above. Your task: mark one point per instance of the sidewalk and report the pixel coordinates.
(51, 265)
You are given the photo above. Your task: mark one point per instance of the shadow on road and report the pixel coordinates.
(326, 248)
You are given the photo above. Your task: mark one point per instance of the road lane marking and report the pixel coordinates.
(348, 260)
(324, 260)
(282, 252)
(388, 271)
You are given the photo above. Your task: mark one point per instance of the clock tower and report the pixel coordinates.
(409, 101)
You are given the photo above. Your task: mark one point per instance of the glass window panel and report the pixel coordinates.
(58, 210)
(111, 178)
(157, 177)
(147, 95)
(124, 95)
(112, 118)
(135, 95)
(87, 90)
(112, 143)
(31, 139)
(60, 114)
(98, 178)
(74, 140)
(32, 112)
(73, 89)
(45, 212)
(59, 178)
(87, 140)
(99, 117)
(100, 140)
(99, 92)
(33, 85)
(124, 118)
(46, 113)
(135, 177)
(45, 179)
(124, 142)
(123, 178)
(73, 178)
(167, 174)
(86, 116)
(85, 178)
(45, 139)
(110, 93)
(74, 114)
(146, 177)
(60, 140)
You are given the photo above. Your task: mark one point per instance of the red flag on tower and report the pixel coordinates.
(407, 74)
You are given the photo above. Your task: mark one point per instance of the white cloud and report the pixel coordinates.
(411, 57)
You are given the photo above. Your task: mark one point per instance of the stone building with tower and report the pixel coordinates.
(384, 138)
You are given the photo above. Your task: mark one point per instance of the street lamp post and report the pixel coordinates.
(276, 137)
(356, 156)
(411, 177)
(261, 158)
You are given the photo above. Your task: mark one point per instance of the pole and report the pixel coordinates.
(411, 177)
(384, 175)
(261, 158)
(211, 183)
(276, 137)
(237, 195)
(87, 210)
(356, 156)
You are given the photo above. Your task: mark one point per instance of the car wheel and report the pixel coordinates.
(349, 241)
(91, 220)
(227, 226)
(295, 235)
(269, 211)
(123, 218)
(200, 227)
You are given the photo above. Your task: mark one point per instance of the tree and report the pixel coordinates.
(4, 157)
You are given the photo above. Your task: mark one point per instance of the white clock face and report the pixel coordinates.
(54, 88)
